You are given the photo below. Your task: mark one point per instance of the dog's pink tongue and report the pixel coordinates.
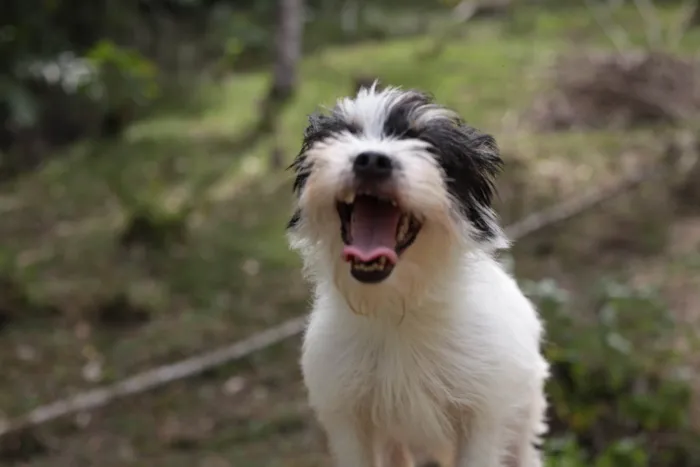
(373, 231)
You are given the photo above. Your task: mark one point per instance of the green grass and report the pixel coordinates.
(235, 275)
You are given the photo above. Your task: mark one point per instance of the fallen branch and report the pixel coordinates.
(676, 157)
(679, 155)
(570, 208)
(153, 378)
(165, 374)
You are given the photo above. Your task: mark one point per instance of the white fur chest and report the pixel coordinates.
(404, 376)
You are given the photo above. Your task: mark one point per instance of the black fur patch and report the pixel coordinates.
(469, 158)
(320, 127)
(397, 123)
(470, 161)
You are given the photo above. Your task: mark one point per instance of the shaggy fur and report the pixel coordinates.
(443, 354)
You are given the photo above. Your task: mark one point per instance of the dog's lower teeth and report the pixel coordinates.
(377, 265)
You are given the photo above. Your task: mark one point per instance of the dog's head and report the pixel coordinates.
(390, 187)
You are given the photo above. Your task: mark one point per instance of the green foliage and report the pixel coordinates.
(150, 222)
(136, 52)
(154, 227)
(619, 396)
(567, 452)
(123, 76)
(17, 302)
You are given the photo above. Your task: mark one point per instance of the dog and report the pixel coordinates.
(418, 339)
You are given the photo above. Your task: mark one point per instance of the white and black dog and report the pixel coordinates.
(418, 338)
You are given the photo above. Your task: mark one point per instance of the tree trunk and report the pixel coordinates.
(290, 23)
(288, 41)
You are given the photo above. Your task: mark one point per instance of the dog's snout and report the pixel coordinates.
(373, 165)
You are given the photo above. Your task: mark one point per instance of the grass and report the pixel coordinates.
(235, 275)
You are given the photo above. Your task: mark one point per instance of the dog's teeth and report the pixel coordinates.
(349, 198)
(378, 265)
(393, 203)
(403, 228)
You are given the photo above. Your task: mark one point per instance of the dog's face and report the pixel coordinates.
(389, 180)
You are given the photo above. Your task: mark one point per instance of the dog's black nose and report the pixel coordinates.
(373, 165)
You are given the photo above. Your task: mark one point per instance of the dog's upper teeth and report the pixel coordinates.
(403, 228)
(349, 198)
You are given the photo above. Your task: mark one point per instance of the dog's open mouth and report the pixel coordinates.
(375, 232)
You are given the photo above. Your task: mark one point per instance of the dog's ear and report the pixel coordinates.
(316, 130)
(301, 166)
(470, 161)
(320, 127)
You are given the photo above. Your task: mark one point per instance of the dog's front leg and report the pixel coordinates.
(480, 443)
(351, 442)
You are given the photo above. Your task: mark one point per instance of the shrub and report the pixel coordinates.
(619, 392)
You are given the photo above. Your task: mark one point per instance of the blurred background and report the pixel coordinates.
(143, 200)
